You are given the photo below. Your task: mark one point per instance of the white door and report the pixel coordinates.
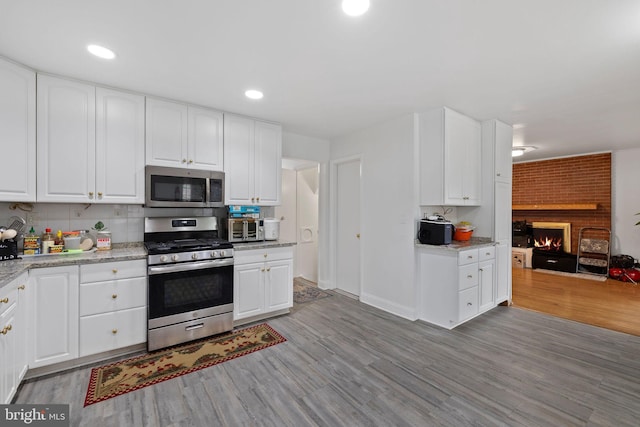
(348, 227)
(166, 138)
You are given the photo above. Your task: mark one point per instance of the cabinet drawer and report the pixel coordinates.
(103, 297)
(486, 253)
(261, 255)
(467, 303)
(467, 276)
(112, 270)
(110, 331)
(10, 295)
(468, 256)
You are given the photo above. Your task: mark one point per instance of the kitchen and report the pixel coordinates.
(379, 250)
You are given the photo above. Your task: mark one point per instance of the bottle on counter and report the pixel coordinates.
(47, 240)
(31, 243)
(59, 238)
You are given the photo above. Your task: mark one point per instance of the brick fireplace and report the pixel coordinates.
(574, 190)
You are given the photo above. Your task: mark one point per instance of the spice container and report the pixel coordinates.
(31, 243)
(103, 240)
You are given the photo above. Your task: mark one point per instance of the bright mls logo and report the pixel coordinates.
(34, 415)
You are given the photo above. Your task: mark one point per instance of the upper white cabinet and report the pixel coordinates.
(501, 136)
(253, 161)
(18, 132)
(180, 135)
(90, 143)
(450, 159)
(119, 163)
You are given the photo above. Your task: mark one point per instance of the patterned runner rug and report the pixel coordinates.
(132, 374)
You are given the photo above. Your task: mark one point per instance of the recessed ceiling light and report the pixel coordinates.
(253, 94)
(101, 52)
(355, 7)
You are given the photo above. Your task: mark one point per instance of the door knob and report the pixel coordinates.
(358, 235)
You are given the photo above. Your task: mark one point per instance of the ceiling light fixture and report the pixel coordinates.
(101, 51)
(253, 94)
(519, 151)
(355, 7)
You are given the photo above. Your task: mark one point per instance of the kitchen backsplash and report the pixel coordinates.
(126, 222)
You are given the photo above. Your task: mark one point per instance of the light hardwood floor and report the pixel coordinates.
(611, 304)
(348, 364)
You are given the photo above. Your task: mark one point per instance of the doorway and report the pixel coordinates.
(298, 215)
(346, 188)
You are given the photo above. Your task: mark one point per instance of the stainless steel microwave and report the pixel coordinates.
(167, 187)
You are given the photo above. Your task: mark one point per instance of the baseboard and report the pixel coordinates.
(390, 307)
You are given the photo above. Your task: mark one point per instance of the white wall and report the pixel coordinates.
(307, 214)
(389, 210)
(625, 168)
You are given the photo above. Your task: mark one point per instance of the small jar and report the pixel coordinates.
(103, 240)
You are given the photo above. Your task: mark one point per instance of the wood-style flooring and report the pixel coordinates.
(349, 364)
(611, 304)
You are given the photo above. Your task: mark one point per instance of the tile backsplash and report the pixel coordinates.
(126, 222)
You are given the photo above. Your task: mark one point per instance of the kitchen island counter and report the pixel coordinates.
(11, 269)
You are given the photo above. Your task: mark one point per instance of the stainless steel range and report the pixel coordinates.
(190, 284)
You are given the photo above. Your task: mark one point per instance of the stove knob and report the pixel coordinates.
(164, 258)
(222, 253)
(214, 254)
(194, 256)
(175, 257)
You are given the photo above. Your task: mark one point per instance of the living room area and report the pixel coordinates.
(571, 197)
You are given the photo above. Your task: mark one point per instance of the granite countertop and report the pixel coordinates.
(10, 269)
(245, 246)
(457, 246)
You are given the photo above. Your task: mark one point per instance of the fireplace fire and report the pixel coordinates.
(548, 239)
(552, 247)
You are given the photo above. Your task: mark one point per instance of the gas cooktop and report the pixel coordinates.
(186, 245)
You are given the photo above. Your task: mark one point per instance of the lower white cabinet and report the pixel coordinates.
(263, 282)
(455, 286)
(13, 333)
(53, 315)
(113, 306)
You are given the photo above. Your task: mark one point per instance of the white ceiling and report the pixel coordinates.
(565, 73)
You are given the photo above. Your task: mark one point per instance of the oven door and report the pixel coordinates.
(182, 292)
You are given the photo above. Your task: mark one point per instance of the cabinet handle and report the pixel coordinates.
(268, 268)
(114, 271)
(190, 161)
(487, 253)
(21, 288)
(99, 193)
(184, 160)
(253, 199)
(257, 199)
(498, 174)
(114, 296)
(469, 303)
(481, 269)
(262, 270)
(469, 276)
(6, 300)
(90, 193)
(265, 255)
(114, 331)
(469, 256)
(5, 330)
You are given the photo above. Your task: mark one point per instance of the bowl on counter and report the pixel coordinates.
(462, 234)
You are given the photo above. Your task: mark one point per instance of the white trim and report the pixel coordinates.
(403, 311)
(568, 156)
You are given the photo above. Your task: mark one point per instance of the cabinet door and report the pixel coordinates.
(472, 171)
(279, 286)
(205, 147)
(239, 160)
(111, 331)
(66, 141)
(268, 163)
(487, 281)
(462, 159)
(166, 139)
(503, 147)
(119, 147)
(22, 357)
(503, 271)
(8, 367)
(18, 133)
(53, 318)
(502, 211)
(248, 290)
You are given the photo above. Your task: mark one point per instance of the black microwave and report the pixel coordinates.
(167, 187)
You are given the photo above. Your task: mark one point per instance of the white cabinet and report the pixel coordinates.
(13, 335)
(66, 140)
(79, 162)
(53, 315)
(180, 135)
(502, 136)
(253, 161)
(455, 286)
(113, 306)
(450, 159)
(263, 282)
(17, 133)
(119, 161)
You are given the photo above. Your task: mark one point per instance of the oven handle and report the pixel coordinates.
(188, 266)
